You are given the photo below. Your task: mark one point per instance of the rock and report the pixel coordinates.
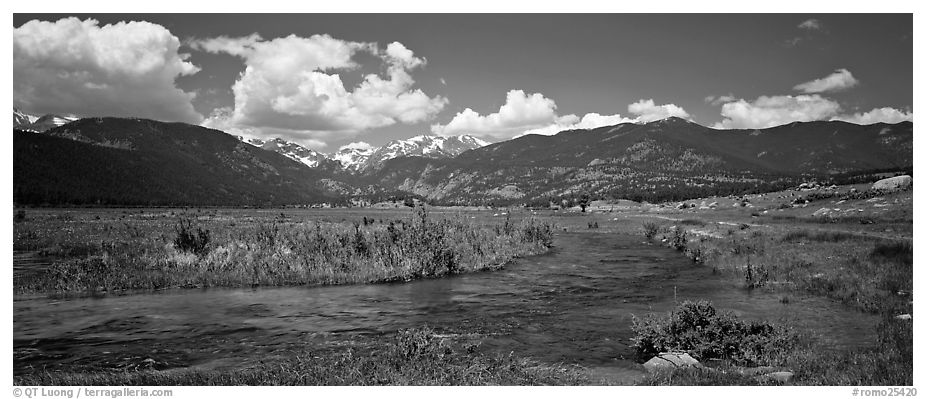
(668, 361)
(893, 183)
(905, 316)
(780, 376)
(597, 161)
(712, 204)
(822, 212)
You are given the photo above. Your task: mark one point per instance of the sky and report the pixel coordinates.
(330, 80)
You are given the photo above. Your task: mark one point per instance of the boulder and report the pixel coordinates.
(905, 316)
(670, 360)
(821, 212)
(893, 183)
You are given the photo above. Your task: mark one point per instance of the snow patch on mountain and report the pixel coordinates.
(38, 124)
(296, 152)
(360, 156)
(354, 156)
(428, 146)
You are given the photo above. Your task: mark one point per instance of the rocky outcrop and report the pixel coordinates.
(893, 183)
(669, 361)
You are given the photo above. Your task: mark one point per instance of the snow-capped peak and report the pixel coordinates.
(354, 156)
(29, 122)
(296, 152)
(429, 146)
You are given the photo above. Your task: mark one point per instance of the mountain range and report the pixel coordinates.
(137, 161)
(666, 159)
(38, 124)
(359, 158)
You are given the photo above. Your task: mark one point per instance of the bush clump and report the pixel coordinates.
(650, 230)
(191, 241)
(697, 328)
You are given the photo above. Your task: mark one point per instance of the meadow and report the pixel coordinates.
(862, 259)
(97, 252)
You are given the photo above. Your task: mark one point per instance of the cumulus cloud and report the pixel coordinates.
(839, 80)
(357, 145)
(79, 67)
(768, 111)
(571, 122)
(292, 84)
(524, 114)
(648, 111)
(810, 24)
(222, 119)
(885, 115)
(717, 100)
(519, 113)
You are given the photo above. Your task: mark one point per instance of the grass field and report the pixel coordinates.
(117, 252)
(860, 255)
(865, 262)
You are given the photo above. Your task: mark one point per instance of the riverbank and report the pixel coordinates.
(418, 356)
(846, 244)
(93, 253)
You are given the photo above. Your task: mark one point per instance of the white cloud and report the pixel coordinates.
(524, 114)
(519, 113)
(571, 122)
(839, 80)
(885, 115)
(717, 100)
(293, 84)
(810, 24)
(648, 111)
(358, 145)
(221, 119)
(123, 69)
(768, 111)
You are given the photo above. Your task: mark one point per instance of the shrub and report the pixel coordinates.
(703, 332)
(189, 241)
(679, 239)
(650, 230)
(898, 252)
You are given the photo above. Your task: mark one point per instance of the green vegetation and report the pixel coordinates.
(707, 334)
(704, 333)
(650, 230)
(203, 250)
(864, 269)
(187, 241)
(410, 357)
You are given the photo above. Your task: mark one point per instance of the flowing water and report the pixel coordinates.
(573, 305)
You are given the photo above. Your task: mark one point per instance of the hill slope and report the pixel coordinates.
(144, 162)
(665, 159)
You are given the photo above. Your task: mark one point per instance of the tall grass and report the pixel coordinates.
(868, 273)
(282, 252)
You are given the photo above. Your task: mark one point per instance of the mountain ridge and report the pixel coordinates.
(662, 160)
